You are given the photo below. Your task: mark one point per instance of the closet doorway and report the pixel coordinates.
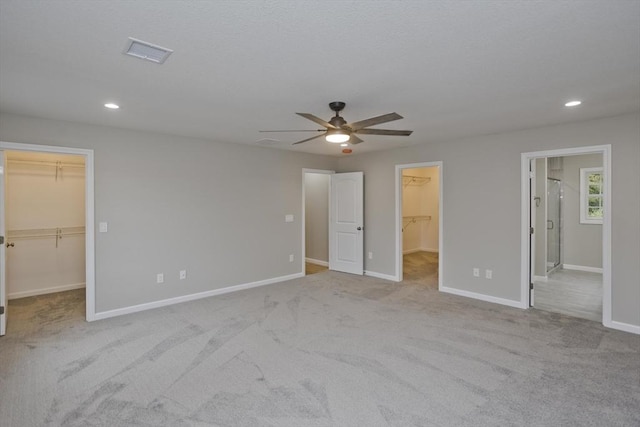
(47, 221)
(419, 247)
(316, 192)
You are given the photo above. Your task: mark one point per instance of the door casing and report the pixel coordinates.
(525, 250)
(399, 169)
(89, 211)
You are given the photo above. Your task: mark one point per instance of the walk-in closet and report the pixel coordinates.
(420, 225)
(45, 223)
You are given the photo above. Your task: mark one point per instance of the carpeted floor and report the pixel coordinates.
(421, 268)
(329, 349)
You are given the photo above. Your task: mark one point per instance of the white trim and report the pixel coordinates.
(90, 261)
(192, 297)
(303, 251)
(411, 251)
(540, 278)
(44, 291)
(380, 276)
(483, 297)
(626, 327)
(317, 262)
(399, 168)
(582, 268)
(605, 150)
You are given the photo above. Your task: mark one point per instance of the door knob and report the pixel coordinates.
(10, 244)
(359, 228)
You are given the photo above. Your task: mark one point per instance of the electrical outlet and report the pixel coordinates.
(476, 272)
(160, 278)
(370, 255)
(291, 258)
(183, 274)
(488, 274)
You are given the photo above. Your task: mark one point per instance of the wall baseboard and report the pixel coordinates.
(192, 297)
(44, 291)
(380, 275)
(540, 279)
(411, 251)
(582, 268)
(482, 297)
(317, 262)
(626, 327)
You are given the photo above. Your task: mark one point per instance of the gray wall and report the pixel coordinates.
(176, 203)
(218, 210)
(481, 197)
(581, 243)
(316, 189)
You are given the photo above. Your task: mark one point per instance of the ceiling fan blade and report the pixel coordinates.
(375, 121)
(294, 130)
(384, 132)
(353, 139)
(318, 120)
(309, 139)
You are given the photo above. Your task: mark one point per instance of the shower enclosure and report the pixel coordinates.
(554, 226)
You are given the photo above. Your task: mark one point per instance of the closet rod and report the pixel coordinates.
(415, 180)
(45, 232)
(47, 163)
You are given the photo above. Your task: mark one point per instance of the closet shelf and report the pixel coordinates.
(41, 233)
(408, 220)
(414, 180)
(58, 165)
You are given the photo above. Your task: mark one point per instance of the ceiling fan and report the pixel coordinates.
(337, 130)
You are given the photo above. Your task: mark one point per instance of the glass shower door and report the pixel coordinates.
(554, 197)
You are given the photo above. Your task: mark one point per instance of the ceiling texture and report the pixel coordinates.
(452, 68)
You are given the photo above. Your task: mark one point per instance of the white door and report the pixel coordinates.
(3, 263)
(346, 226)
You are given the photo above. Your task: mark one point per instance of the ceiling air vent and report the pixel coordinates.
(147, 51)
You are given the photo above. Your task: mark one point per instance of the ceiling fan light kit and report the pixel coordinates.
(337, 136)
(338, 131)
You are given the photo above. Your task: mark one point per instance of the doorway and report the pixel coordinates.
(343, 206)
(419, 230)
(37, 227)
(568, 220)
(316, 187)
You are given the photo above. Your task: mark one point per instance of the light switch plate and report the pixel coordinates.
(288, 218)
(103, 227)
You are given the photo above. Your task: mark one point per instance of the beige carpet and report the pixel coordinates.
(421, 268)
(328, 349)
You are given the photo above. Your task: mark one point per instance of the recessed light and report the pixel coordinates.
(111, 106)
(573, 103)
(344, 145)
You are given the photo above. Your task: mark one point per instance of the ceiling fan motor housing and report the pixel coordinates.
(338, 121)
(337, 106)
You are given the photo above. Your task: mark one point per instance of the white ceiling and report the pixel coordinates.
(451, 68)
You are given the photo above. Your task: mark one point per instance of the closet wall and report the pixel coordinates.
(420, 209)
(45, 219)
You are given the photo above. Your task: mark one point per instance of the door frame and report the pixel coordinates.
(525, 208)
(90, 291)
(303, 216)
(399, 169)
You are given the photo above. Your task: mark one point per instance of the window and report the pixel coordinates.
(591, 195)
